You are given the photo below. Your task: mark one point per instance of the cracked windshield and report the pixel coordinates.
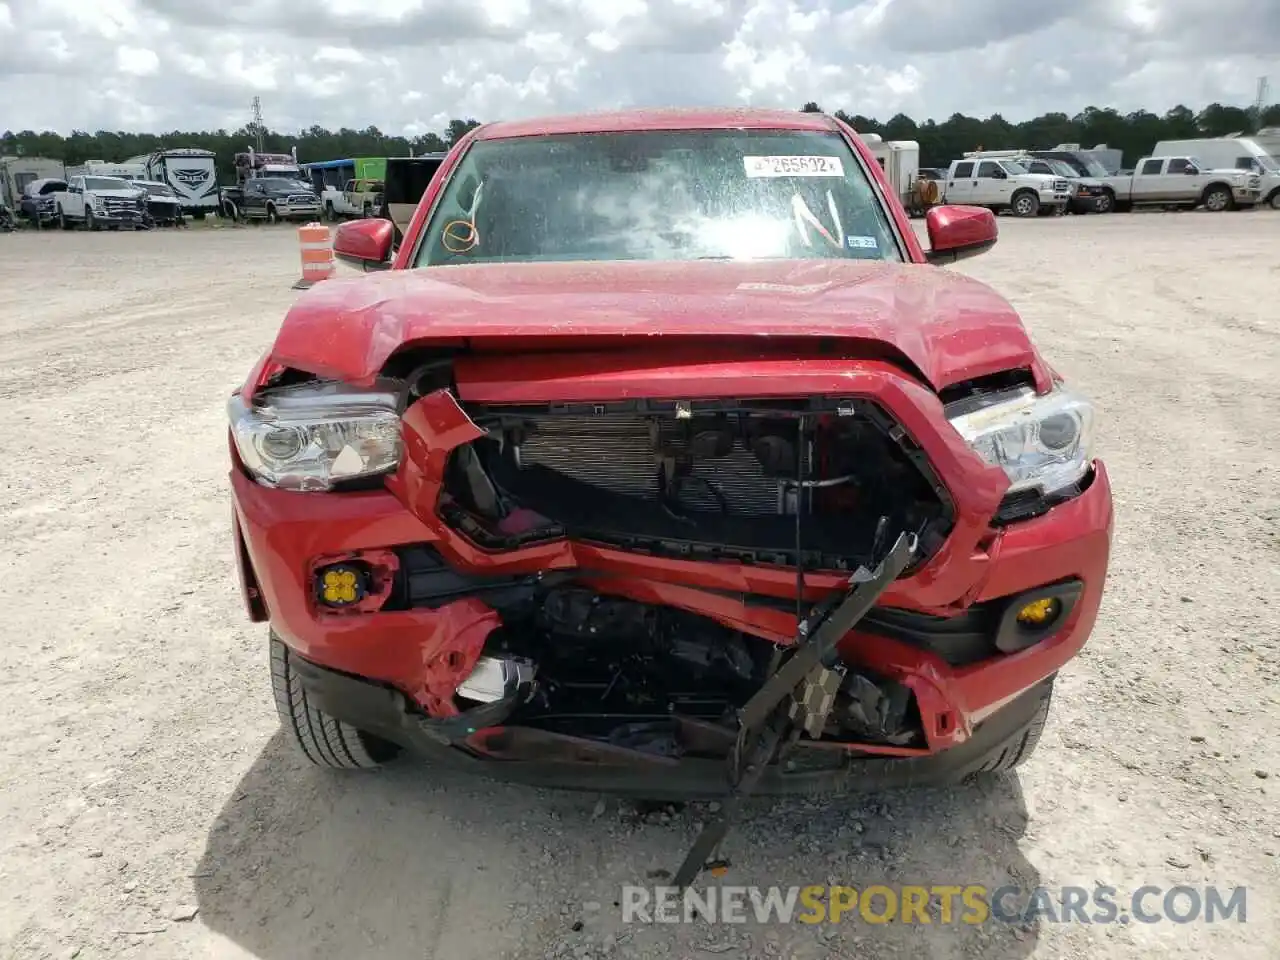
(694, 195)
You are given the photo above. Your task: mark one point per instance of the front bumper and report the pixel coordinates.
(131, 216)
(1084, 203)
(1247, 194)
(546, 759)
(164, 212)
(291, 210)
(398, 659)
(1054, 198)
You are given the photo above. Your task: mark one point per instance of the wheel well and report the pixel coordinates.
(1272, 195)
(1217, 184)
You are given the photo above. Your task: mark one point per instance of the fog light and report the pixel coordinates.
(341, 585)
(1040, 612)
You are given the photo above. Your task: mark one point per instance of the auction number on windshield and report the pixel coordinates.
(793, 166)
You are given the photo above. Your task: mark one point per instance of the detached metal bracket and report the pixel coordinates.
(767, 727)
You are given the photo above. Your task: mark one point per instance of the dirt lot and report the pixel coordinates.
(151, 809)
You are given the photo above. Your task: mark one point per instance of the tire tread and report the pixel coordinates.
(322, 739)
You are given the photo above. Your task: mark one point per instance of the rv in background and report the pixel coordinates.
(1268, 138)
(191, 172)
(106, 168)
(17, 172)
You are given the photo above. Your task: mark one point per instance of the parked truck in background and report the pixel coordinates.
(1086, 192)
(39, 202)
(1089, 164)
(269, 186)
(1184, 181)
(190, 171)
(99, 202)
(994, 179)
(1230, 153)
(358, 198)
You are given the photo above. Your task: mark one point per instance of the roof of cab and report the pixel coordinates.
(622, 121)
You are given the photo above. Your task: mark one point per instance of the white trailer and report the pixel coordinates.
(900, 161)
(1230, 153)
(17, 172)
(106, 168)
(191, 172)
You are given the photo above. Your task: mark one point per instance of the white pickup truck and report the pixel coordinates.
(1004, 184)
(99, 202)
(357, 198)
(1184, 181)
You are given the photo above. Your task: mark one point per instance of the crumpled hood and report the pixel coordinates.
(949, 327)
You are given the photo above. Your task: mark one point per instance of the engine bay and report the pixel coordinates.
(625, 673)
(777, 482)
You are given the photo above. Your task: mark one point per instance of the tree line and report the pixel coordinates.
(940, 142)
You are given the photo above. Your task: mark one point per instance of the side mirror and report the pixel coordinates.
(364, 243)
(957, 232)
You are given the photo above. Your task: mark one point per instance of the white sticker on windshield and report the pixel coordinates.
(793, 166)
(862, 243)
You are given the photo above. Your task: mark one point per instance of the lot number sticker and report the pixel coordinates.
(793, 166)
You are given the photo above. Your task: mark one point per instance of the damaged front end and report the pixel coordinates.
(544, 498)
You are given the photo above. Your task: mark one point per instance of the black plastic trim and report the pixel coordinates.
(542, 758)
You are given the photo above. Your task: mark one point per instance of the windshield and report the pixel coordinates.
(107, 183)
(159, 190)
(1095, 168)
(1267, 163)
(668, 195)
(1063, 169)
(1013, 168)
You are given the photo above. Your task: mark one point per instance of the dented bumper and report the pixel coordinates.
(390, 670)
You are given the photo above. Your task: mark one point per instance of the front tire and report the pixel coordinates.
(322, 739)
(272, 215)
(1106, 203)
(1217, 199)
(1018, 749)
(1273, 201)
(1025, 204)
(89, 222)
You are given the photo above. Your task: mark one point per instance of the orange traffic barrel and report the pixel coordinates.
(316, 248)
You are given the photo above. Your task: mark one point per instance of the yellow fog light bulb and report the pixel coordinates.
(1039, 612)
(341, 586)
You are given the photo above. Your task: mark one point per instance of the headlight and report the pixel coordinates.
(313, 435)
(1041, 442)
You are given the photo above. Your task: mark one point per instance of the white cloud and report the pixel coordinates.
(137, 61)
(406, 66)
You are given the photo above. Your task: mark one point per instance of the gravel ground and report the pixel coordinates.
(151, 808)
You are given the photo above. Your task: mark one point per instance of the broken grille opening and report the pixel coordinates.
(631, 674)
(722, 480)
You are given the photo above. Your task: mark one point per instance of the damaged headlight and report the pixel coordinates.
(1043, 443)
(313, 435)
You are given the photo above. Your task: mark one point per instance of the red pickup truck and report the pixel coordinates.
(661, 458)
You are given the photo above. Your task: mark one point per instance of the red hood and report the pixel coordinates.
(951, 328)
